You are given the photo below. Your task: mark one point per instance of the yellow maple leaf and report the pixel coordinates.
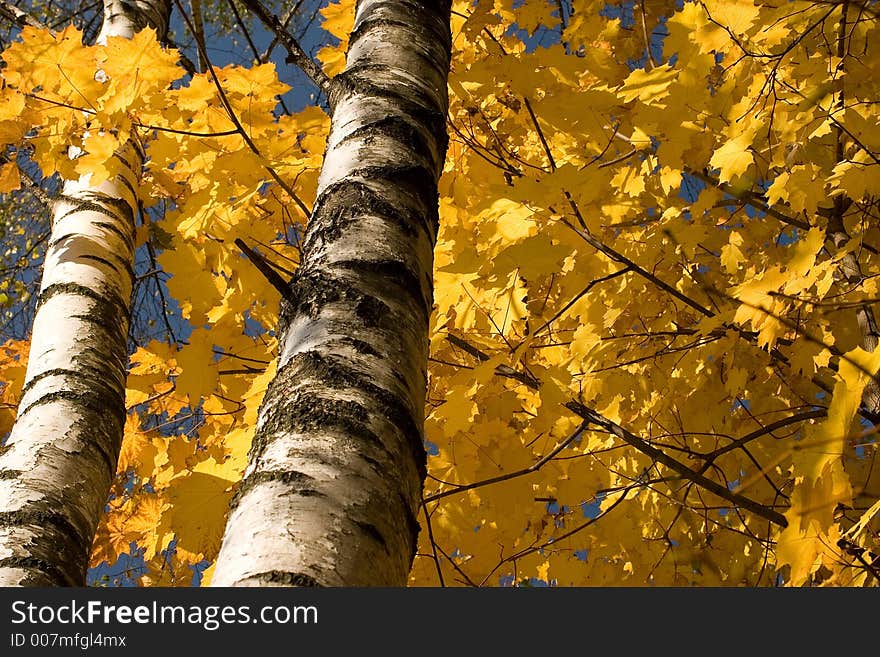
(648, 86)
(197, 375)
(338, 21)
(136, 68)
(734, 158)
(9, 177)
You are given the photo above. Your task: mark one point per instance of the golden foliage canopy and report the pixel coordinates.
(654, 284)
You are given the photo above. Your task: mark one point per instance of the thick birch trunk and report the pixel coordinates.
(58, 465)
(333, 486)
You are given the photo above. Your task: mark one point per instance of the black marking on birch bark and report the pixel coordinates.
(380, 80)
(122, 266)
(126, 265)
(40, 518)
(306, 412)
(85, 400)
(143, 14)
(373, 532)
(116, 334)
(377, 466)
(371, 310)
(286, 578)
(119, 156)
(296, 483)
(413, 180)
(128, 239)
(125, 183)
(415, 177)
(345, 200)
(86, 205)
(110, 425)
(124, 207)
(109, 306)
(62, 544)
(311, 290)
(112, 438)
(414, 14)
(138, 148)
(63, 238)
(397, 128)
(8, 474)
(392, 271)
(438, 8)
(337, 373)
(109, 434)
(103, 261)
(49, 570)
(86, 376)
(344, 206)
(360, 346)
(440, 33)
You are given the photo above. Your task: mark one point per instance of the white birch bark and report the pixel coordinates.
(334, 481)
(58, 464)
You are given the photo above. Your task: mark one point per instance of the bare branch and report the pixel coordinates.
(660, 456)
(296, 54)
(18, 16)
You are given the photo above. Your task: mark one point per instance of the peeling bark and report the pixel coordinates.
(337, 465)
(58, 464)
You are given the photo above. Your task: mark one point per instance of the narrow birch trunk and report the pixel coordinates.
(58, 465)
(333, 486)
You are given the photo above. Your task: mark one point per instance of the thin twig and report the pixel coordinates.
(266, 270)
(296, 54)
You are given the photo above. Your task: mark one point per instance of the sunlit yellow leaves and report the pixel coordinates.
(144, 521)
(133, 520)
(97, 158)
(190, 271)
(253, 94)
(46, 61)
(821, 483)
(805, 250)
(682, 27)
(734, 158)
(255, 393)
(535, 256)
(13, 363)
(138, 451)
(198, 371)
(199, 501)
(630, 181)
(856, 179)
(511, 220)
(338, 21)
(731, 253)
(134, 69)
(800, 189)
(13, 126)
(650, 87)
(9, 177)
(455, 414)
(737, 16)
(531, 15)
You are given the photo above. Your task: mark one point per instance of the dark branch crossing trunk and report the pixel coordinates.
(335, 473)
(58, 464)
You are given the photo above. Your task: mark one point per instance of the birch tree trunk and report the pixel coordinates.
(58, 465)
(334, 481)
